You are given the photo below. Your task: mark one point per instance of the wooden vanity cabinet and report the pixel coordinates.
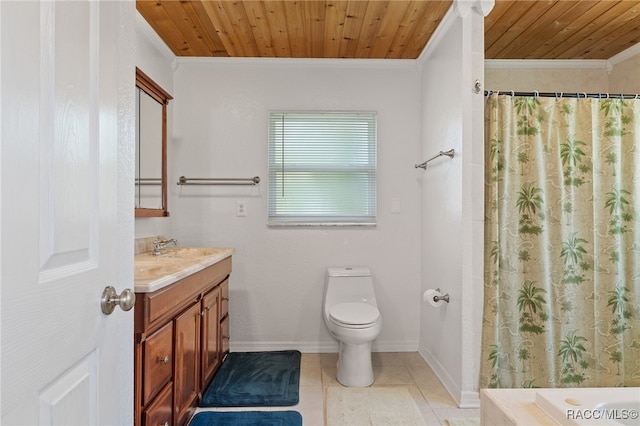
(178, 344)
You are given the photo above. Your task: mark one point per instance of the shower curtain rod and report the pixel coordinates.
(564, 94)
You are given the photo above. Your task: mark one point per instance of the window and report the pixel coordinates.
(322, 168)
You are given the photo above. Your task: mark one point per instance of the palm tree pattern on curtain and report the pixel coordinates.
(562, 242)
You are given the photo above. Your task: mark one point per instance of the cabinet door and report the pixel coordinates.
(187, 356)
(210, 328)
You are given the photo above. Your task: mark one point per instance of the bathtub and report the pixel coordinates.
(591, 406)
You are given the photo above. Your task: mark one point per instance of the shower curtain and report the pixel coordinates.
(562, 242)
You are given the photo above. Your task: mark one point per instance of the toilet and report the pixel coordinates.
(352, 317)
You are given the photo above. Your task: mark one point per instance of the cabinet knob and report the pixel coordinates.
(202, 314)
(226, 337)
(225, 298)
(164, 360)
(165, 423)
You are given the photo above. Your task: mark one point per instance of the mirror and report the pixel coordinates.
(151, 147)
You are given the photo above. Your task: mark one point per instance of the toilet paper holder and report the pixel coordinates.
(444, 297)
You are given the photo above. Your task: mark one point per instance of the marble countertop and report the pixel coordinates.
(151, 273)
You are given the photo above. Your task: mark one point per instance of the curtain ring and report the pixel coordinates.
(599, 95)
(535, 94)
(512, 94)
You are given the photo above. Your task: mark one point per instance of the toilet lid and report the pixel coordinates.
(354, 313)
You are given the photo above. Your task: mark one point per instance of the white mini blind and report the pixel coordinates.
(322, 168)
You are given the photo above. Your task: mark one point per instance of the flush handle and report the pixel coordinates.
(110, 299)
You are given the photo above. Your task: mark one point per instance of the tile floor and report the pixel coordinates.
(318, 371)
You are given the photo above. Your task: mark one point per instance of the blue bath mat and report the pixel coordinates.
(247, 418)
(255, 379)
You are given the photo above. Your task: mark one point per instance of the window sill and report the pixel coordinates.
(320, 225)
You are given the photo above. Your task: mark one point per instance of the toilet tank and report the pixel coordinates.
(349, 284)
(349, 272)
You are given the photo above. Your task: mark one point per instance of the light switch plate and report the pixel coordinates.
(395, 205)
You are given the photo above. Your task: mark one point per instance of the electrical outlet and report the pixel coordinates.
(241, 209)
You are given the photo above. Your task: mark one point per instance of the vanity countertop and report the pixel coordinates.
(151, 273)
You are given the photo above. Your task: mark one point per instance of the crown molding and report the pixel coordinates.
(604, 64)
(547, 63)
(302, 62)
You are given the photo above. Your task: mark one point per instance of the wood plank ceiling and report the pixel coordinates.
(396, 29)
(565, 29)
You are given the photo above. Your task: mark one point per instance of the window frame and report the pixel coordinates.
(364, 174)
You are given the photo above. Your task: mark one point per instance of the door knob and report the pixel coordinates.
(110, 299)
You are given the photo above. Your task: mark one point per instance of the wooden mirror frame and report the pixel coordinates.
(150, 87)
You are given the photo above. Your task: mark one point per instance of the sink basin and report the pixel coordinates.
(191, 252)
(149, 270)
(171, 253)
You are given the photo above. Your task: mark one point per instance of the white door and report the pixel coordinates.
(67, 211)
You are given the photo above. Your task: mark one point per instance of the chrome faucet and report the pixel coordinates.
(160, 245)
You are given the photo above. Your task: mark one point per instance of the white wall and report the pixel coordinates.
(547, 76)
(452, 200)
(625, 73)
(220, 130)
(155, 59)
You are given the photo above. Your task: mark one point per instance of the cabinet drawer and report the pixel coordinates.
(224, 298)
(157, 362)
(160, 413)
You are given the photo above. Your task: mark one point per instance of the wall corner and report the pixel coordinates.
(482, 7)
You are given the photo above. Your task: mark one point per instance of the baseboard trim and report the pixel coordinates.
(319, 347)
(464, 399)
(469, 399)
(306, 347)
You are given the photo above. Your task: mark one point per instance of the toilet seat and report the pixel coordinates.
(354, 314)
